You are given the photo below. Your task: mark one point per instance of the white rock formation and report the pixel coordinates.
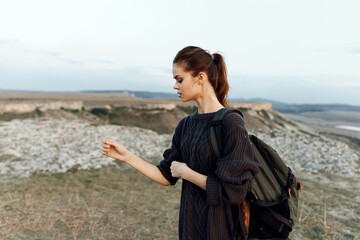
(313, 153)
(48, 146)
(26, 107)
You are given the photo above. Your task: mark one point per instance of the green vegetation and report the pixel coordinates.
(38, 112)
(310, 134)
(279, 123)
(100, 111)
(114, 113)
(286, 121)
(69, 110)
(263, 122)
(265, 114)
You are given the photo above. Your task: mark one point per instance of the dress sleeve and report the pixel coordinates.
(236, 167)
(171, 154)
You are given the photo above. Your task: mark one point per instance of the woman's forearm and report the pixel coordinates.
(195, 177)
(147, 169)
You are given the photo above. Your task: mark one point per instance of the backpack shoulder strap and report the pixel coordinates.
(217, 144)
(216, 132)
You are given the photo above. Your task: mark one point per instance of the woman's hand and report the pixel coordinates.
(181, 170)
(115, 150)
(178, 169)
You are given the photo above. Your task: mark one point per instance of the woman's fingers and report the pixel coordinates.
(115, 150)
(109, 141)
(106, 146)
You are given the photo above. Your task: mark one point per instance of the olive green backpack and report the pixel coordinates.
(273, 193)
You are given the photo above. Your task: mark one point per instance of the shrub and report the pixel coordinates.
(100, 111)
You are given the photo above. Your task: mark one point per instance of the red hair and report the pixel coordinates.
(195, 60)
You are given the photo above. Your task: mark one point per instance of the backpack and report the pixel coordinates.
(272, 199)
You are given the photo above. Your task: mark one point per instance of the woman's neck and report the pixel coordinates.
(208, 105)
(206, 99)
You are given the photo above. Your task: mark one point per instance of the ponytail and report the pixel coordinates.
(196, 60)
(221, 85)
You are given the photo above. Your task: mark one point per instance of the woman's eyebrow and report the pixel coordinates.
(176, 77)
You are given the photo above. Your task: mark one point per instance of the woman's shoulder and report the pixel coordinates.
(181, 123)
(232, 119)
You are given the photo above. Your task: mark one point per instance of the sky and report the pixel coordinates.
(291, 51)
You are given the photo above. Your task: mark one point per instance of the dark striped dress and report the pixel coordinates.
(207, 214)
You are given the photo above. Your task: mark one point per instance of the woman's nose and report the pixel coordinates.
(176, 86)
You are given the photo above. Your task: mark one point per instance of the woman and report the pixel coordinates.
(210, 186)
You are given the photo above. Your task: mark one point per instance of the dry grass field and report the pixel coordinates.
(115, 203)
(110, 203)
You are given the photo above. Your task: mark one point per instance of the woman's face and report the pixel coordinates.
(186, 85)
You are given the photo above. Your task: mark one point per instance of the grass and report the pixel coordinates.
(110, 203)
(328, 208)
(115, 203)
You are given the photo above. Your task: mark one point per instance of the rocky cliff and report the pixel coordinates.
(159, 115)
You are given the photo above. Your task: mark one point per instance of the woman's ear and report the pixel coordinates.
(201, 77)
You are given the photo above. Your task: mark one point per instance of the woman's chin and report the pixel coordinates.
(186, 99)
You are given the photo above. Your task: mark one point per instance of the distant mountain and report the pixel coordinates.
(257, 100)
(300, 108)
(140, 94)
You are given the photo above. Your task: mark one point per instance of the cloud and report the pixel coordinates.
(53, 54)
(56, 57)
(150, 71)
(353, 50)
(8, 40)
(102, 61)
(72, 62)
(156, 71)
(44, 52)
(297, 89)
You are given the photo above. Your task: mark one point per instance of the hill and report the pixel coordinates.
(55, 184)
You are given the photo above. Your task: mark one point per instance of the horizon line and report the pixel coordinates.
(166, 93)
